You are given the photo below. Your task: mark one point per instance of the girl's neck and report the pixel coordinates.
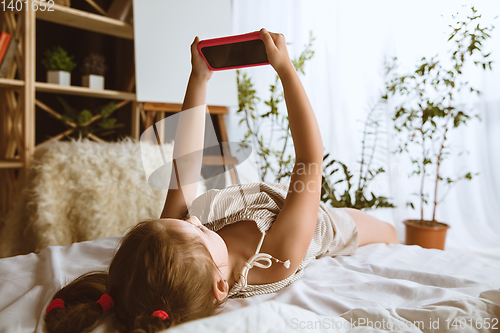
(241, 240)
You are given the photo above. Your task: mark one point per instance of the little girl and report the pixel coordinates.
(241, 241)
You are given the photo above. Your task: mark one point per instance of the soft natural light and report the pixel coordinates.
(249, 166)
(345, 78)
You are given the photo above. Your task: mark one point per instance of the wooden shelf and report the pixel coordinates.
(82, 91)
(174, 107)
(87, 21)
(11, 83)
(18, 97)
(11, 164)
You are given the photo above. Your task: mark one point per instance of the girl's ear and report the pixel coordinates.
(221, 289)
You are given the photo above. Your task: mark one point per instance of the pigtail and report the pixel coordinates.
(146, 324)
(80, 309)
(157, 279)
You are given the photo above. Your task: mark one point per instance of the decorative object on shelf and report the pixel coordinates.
(427, 109)
(120, 9)
(59, 65)
(87, 124)
(93, 81)
(94, 67)
(8, 48)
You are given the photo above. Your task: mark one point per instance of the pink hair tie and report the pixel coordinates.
(57, 303)
(160, 314)
(106, 302)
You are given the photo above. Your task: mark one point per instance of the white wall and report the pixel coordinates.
(163, 33)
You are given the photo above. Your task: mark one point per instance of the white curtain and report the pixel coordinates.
(345, 78)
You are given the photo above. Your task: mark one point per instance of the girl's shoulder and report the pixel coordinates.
(260, 202)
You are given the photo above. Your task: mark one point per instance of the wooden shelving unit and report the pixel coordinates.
(18, 91)
(18, 100)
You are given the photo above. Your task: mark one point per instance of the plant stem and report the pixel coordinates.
(423, 174)
(368, 123)
(269, 144)
(438, 164)
(362, 162)
(372, 154)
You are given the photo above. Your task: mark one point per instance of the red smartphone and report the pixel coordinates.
(230, 52)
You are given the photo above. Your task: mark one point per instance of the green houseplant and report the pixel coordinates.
(59, 65)
(93, 69)
(354, 189)
(276, 164)
(427, 110)
(85, 122)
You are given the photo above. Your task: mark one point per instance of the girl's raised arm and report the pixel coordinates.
(188, 146)
(293, 229)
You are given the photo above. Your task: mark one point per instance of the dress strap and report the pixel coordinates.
(261, 260)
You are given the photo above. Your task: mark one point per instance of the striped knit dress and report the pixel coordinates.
(335, 232)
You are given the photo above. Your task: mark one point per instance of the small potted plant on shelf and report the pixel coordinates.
(59, 65)
(427, 110)
(94, 67)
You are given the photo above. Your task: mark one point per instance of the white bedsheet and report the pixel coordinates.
(381, 285)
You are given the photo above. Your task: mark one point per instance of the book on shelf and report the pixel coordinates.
(120, 9)
(4, 43)
(9, 58)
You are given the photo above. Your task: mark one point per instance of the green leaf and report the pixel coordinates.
(84, 116)
(106, 110)
(71, 113)
(56, 58)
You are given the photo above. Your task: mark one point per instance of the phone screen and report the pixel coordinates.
(236, 54)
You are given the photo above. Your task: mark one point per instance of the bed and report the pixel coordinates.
(386, 287)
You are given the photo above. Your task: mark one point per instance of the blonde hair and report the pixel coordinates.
(153, 269)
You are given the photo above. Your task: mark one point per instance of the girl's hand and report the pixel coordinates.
(276, 50)
(199, 66)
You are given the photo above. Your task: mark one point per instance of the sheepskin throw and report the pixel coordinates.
(82, 190)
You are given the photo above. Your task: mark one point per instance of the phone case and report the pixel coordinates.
(229, 40)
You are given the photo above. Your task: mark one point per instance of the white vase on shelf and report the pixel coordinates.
(93, 81)
(62, 78)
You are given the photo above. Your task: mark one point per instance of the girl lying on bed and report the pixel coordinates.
(176, 269)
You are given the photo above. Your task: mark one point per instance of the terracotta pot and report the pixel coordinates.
(431, 236)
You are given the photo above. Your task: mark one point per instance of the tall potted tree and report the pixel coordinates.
(427, 109)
